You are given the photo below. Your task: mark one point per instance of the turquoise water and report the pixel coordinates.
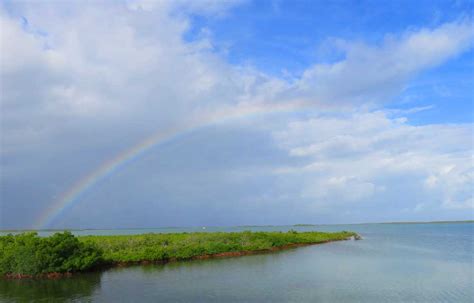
(393, 263)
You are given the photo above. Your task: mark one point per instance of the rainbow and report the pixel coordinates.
(74, 194)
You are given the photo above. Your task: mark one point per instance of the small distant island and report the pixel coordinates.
(303, 225)
(27, 255)
(429, 222)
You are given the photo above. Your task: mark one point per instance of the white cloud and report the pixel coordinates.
(374, 74)
(354, 155)
(337, 190)
(111, 67)
(201, 7)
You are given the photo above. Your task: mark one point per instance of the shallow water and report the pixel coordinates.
(394, 263)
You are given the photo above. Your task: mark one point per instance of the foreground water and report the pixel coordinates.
(394, 263)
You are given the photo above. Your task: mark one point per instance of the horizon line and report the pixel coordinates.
(227, 226)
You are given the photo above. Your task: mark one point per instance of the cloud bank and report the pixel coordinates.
(81, 85)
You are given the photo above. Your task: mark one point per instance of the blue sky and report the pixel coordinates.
(285, 37)
(271, 112)
(277, 35)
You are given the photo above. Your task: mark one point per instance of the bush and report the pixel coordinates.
(182, 246)
(29, 254)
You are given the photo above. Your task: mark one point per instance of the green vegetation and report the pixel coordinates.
(28, 254)
(182, 246)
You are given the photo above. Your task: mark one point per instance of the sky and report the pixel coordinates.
(137, 114)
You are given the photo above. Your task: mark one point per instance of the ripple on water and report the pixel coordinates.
(394, 263)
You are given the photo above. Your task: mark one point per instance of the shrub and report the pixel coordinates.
(29, 254)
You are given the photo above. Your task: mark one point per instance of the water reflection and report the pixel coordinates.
(394, 263)
(76, 288)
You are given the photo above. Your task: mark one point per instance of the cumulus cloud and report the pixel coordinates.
(353, 156)
(115, 66)
(374, 74)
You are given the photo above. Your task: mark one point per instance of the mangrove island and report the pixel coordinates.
(28, 255)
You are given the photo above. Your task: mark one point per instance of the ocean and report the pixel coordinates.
(430, 262)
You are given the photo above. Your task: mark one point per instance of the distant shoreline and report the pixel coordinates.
(238, 226)
(394, 222)
(428, 222)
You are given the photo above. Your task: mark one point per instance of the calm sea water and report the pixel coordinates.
(394, 263)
